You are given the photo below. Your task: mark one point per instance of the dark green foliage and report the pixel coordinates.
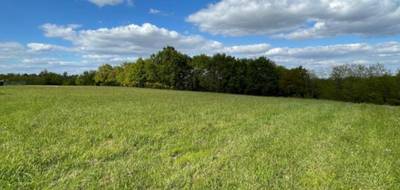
(296, 82)
(199, 79)
(218, 72)
(43, 78)
(106, 76)
(358, 83)
(86, 79)
(262, 77)
(170, 69)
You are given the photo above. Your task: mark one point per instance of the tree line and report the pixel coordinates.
(170, 69)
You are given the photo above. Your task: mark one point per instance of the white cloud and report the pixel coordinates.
(130, 2)
(46, 61)
(154, 11)
(323, 52)
(300, 19)
(130, 39)
(248, 50)
(40, 47)
(143, 40)
(110, 59)
(102, 3)
(37, 64)
(159, 12)
(91, 48)
(10, 49)
(323, 58)
(57, 31)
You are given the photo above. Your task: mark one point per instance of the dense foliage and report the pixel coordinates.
(170, 69)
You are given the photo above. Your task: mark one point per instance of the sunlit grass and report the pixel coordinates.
(103, 137)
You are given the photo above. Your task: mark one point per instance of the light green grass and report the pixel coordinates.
(116, 138)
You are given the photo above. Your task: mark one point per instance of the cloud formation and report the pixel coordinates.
(247, 50)
(129, 39)
(300, 19)
(40, 47)
(10, 49)
(90, 48)
(323, 58)
(154, 11)
(102, 3)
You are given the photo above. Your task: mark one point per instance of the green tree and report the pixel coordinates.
(106, 75)
(262, 76)
(51, 78)
(172, 68)
(218, 72)
(86, 78)
(199, 66)
(134, 74)
(296, 82)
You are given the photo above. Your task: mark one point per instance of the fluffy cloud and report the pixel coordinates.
(323, 58)
(154, 11)
(40, 47)
(247, 50)
(10, 49)
(142, 40)
(91, 48)
(34, 57)
(159, 12)
(102, 3)
(130, 39)
(323, 52)
(299, 19)
(60, 65)
(56, 31)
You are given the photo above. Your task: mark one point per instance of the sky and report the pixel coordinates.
(77, 35)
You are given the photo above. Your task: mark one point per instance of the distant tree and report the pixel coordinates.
(262, 77)
(172, 68)
(106, 75)
(295, 82)
(69, 79)
(50, 78)
(151, 71)
(398, 75)
(223, 73)
(220, 72)
(86, 78)
(134, 74)
(199, 64)
(360, 83)
(119, 72)
(237, 82)
(358, 71)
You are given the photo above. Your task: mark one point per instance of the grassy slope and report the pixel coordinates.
(71, 137)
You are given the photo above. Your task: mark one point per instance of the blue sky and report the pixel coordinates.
(78, 35)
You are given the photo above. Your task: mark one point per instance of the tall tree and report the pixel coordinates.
(172, 68)
(106, 75)
(200, 71)
(86, 78)
(296, 82)
(262, 76)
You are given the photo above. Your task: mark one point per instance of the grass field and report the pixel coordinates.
(100, 137)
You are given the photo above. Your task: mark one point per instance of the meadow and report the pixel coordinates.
(129, 138)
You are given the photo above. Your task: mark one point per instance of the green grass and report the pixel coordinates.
(116, 138)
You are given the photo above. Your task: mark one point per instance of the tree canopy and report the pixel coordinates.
(170, 69)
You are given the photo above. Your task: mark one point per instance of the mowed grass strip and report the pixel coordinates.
(128, 138)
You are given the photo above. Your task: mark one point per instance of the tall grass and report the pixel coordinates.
(126, 138)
